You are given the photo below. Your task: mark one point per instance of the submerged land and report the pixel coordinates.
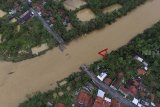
(41, 73)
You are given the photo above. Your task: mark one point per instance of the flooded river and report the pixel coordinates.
(41, 73)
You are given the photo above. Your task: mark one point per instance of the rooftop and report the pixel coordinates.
(84, 99)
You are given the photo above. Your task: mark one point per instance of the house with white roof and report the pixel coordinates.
(102, 76)
(138, 58)
(100, 93)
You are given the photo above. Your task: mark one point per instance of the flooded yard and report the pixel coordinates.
(73, 4)
(112, 8)
(85, 15)
(13, 20)
(38, 49)
(42, 73)
(2, 13)
(18, 28)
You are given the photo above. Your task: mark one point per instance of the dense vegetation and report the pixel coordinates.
(16, 45)
(144, 45)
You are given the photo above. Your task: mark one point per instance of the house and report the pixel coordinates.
(135, 83)
(101, 100)
(115, 103)
(143, 103)
(123, 90)
(142, 61)
(12, 12)
(39, 7)
(84, 100)
(102, 76)
(100, 93)
(89, 87)
(117, 83)
(135, 101)
(141, 71)
(98, 102)
(138, 58)
(60, 105)
(25, 16)
(132, 90)
(107, 81)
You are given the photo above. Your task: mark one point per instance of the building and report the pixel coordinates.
(132, 90)
(143, 103)
(84, 100)
(98, 102)
(25, 16)
(102, 76)
(101, 100)
(141, 71)
(117, 83)
(123, 90)
(108, 81)
(138, 58)
(142, 61)
(135, 83)
(115, 103)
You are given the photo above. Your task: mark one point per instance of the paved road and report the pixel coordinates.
(106, 88)
(52, 32)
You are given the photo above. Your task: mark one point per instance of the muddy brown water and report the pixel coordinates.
(41, 73)
(73, 4)
(85, 14)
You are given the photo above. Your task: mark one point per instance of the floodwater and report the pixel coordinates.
(41, 73)
(85, 14)
(112, 8)
(13, 20)
(73, 4)
(2, 13)
(37, 49)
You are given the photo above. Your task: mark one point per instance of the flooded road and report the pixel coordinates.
(41, 73)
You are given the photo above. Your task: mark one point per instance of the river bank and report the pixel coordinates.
(41, 73)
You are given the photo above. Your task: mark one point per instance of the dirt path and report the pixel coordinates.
(18, 80)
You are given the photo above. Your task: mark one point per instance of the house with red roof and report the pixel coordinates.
(123, 90)
(132, 90)
(102, 102)
(25, 16)
(84, 99)
(107, 81)
(117, 83)
(98, 102)
(141, 71)
(115, 103)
